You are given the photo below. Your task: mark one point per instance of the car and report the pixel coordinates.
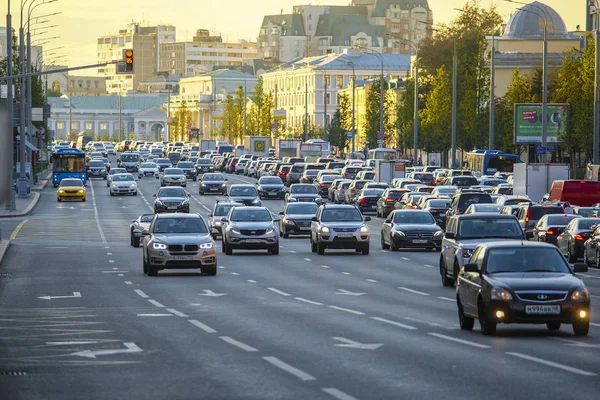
(212, 183)
(503, 188)
(550, 226)
(110, 149)
(294, 174)
(354, 189)
(94, 154)
(96, 169)
(106, 162)
(148, 169)
(142, 223)
(129, 160)
(437, 207)
(204, 165)
(366, 174)
(339, 226)
(464, 198)
(332, 188)
(425, 177)
(411, 229)
(483, 208)
(400, 183)
(240, 166)
(385, 203)
(509, 200)
(408, 200)
(324, 182)
(123, 184)
(530, 213)
(163, 163)
(350, 171)
(587, 212)
(491, 182)
(444, 191)
(112, 172)
(220, 210)
(250, 228)
(537, 286)
(309, 176)
(465, 232)
(367, 199)
(271, 187)
(175, 241)
(296, 218)
(71, 189)
(462, 181)
(189, 169)
(245, 194)
(571, 242)
(170, 199)
(173, 177)
(510, 210)
(339, 196)
(303, 192)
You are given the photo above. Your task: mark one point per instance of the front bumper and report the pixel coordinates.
(182, 208)
(131, 168)
(278, 194)
(514, 312)
(213, 189)
(96, 174)
(191, 174)
(148, 173)
(404, 242)
(297, 227)
(350, 240)
(70, 196)
(178, 182)
(166, 259)
(235, 241)
(123, 190)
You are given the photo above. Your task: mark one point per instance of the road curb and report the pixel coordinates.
(4, 245)
(32, 204)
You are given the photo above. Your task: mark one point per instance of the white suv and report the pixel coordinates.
(339, 226)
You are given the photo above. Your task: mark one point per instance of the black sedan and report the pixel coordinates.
(303, 192)
(245, 194)
(550, 226)
(385, 204)
(212, 183)
(324, 182)
(189, 169)
(171, 199)
(296, 218)
(204, 165)
(271, 187)
(163, 163)
(438, 208)
(367, 200)
(571, 241)
(537, 286)
(411, 228)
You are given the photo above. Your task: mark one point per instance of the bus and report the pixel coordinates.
(382, 154)
(325, 146)
(83, 140)
(68, 163)
(488, 162)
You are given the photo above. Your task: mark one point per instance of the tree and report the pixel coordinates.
(229, 127)
(436, 118)
(266, 114)
(519, 91)
(371, 123)
(238, 114)
(405, 117)
(341, 124)
(181, 121)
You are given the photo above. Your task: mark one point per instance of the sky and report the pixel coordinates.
(82, 21)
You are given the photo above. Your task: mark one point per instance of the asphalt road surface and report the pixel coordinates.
(79, 320)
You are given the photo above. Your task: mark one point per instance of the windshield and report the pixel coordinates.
(465, 181)
(242, 191)
(474, 228)
(203, 161)
(346, 214)
(114, 171)
(311, 172)
(71, 183)
(297, 168)
(164, 161)
(123, 178)
(586, 212)
(173, 171)
(171, 192)
(180, 225)
(303, 189)
(68, 163)
(149, 165)
(535, 213)
(250, 215)
(221, 210)
(212, 177)
(373, 192)
(560, 220)
(526, 259)
(185, 164)
(146, 218)
(487, 208)
(130, 157)
(96, 163)
(271, 181)
(587, 223)
(329, 178)
(475, 198)
(411, 217)
(303, 209)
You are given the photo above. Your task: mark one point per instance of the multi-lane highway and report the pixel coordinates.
(79, 319)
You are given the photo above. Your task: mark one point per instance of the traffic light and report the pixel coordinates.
(128, 56)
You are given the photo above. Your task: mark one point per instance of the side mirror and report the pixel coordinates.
(281, 213)
(580, 268)
(450, 235)
(388, 221)
(145, 233)
(154, 195)
(277, 220)
(118, 160)
(133, 220)
(471, 267)
(228, 179)
(224, 220)
(367, 219)
(315, 219)
(137, 233)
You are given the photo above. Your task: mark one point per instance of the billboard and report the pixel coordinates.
(528, 123)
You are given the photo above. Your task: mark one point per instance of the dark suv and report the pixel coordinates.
(464, 198)
(530, 213)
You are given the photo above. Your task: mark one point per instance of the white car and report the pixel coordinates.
(111, 150)
(123, 184)
(148, 169)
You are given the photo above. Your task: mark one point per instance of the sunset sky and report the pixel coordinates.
(82, 21)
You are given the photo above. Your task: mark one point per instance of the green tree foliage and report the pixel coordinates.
(239, 107)
(230, 124)
(371, 122)
(405, 117)
(436, 118)
(182, 119)
(519, 91)
(266, 114)
(340, 124)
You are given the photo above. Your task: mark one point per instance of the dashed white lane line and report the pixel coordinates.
(202, 326)
(156, 303)
(220, 266)
(111, 261)
(398, 324)
(120, 275)
(279, 292)
(293, 251)
(251, 281)
(178, 313)
(141, 294)
(338, 394)
(155, 315)
(234, 273)
(237, 344)
(107, 247)
(289, 369)
(371, 280)
(447, 299)
(428, 266)
(413, 291)
(128, 282)
(384, 251)
(96, 216)
(552, 364)
(347, 310)
(316, 303)
(405, 258)
(596, 325)
(115, 268)
(109, 254)
(307, 259)
(457, 340)
(324, 266)
(346, 273)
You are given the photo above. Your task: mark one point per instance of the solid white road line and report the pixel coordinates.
(293, 251)
(96, 217)
(111, 261)
(237, 344)
(234, 273)
(109, 254)
(202, 326)
(324, 266)
(453, 339)
(371, 280)
(155, 315)
(346, 273)
(428, 265)
(288, 368)
(115, 268)
(552, 364)
(251, 281)
(178, 313)
(447, 299)
(156, 303)
(120, 275)
(405, 258)
(141, 294)
(398, 324)
(307, 259)
(596, 325)
(316, 303)
(413, 291)
(338, 394)
(128, 282)
(347, 310)
(279, 292)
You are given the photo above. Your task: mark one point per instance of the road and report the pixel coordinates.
(80, 320)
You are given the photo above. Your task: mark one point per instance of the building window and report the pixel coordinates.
(327, 98)
(89, 126)
(60, 125)
(405, 26)
(340, 81)
(326, 80)
(104, 126)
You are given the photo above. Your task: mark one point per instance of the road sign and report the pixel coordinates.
(132, 136)
(290, 136)
(540, 150)
(552, 148)
(380, 143)
(350, 134)
(380, 136)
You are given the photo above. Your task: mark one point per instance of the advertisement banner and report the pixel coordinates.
(528, 123)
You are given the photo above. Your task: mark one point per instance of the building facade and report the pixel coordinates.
(86, 85)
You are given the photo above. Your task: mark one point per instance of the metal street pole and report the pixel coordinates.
(353, 91)
(167, 138)
(276, 120)
(491, 145)
(120, 116)
(545, 97)
(22, 126)
(380, 142)
(597, 93)
(306, 108)
(10, 204)
(416, 107)
(325, 109)
(453, 151)
(245, 117)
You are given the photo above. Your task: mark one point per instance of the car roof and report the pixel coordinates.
(242, 185)
(178, 215)
(483, 215)
(516, 243)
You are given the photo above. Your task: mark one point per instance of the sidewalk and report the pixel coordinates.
(24, 206)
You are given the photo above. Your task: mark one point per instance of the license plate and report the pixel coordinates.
(183, 258)
(214, 189)
(273, 194)
(253, 241)
(419, 241)
(345, 235)
(305, 228)
(542, 310)
(172, 207)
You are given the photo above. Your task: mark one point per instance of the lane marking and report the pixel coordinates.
(371, 280)
(307, 259)
(155, 315)
(202, 326)
(111, 261)
(71, 343)
(453, 339)
(116, 268)
(156, 303)
(234, 273)
(107, 247)
(251, 281)
(237, 344)
(178, 313)
(346, 273)
(413, 291)
(293, 251)
(316, 303)
(120, 275)
(596, 325)
(347, 310)
(141, 294)
(109, 254)
(14, 234)
(338, 394)
(552, 364)
(398, 324)
(428, 265)
(279, 292)
(447, 299)
(289, 369)
(96, 217)
(128, 282)
(405, 258)
(324, 266)
(55, 247)
(220, 266)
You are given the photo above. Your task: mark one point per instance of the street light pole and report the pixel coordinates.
(454, 81)
(597, 92)
(10, 204)
(353, 91)
(324, 108)
(416, 107)
(491, 145)
(306, 107)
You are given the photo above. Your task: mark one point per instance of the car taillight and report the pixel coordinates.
(550, 232)
(364, 200)
(579, 237)
(344, 174)
(323, 184)
(527, 217)
(342, 191)
(390, 200)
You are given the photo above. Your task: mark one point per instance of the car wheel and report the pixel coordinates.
(131, 238)
(223, 246)
(553, 326)
(365, 251)
(285, 234)
(446, 280)
(597, 260)
(320, 249)
(201, 193)
(112, 194)
(488, 326)
(227, 249)
(313, 245)
(214, 236)
(393, 247)
(152, 271)
(59, 200)
(210, 271)
(145, 266)
(135, 193)
(585, 257)
(572, 257)
(466, 323)
(384, 245)
(581, 328)
(274, 250)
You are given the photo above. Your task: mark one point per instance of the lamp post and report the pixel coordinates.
(381, 83)
(10, 204)
(306, 106)
(353, 91)
(454, 95)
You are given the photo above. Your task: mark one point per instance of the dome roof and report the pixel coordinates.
(527, 23)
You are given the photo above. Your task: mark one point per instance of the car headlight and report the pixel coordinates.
(399, 233)
(132, 186)
(224, 185)
(81, 190)
(580, 294)
(159, 246)
(438, 233)
(184, 202)
(61, 191)
(208, 245)
(255, 201)
(269, 231)
(288, 221)
(364, 229)
(501, 294)
(324, 229)
(467, 253)
(236, 231)
(318, 199)
(159, 202)
(114, 186)
(217, 222)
